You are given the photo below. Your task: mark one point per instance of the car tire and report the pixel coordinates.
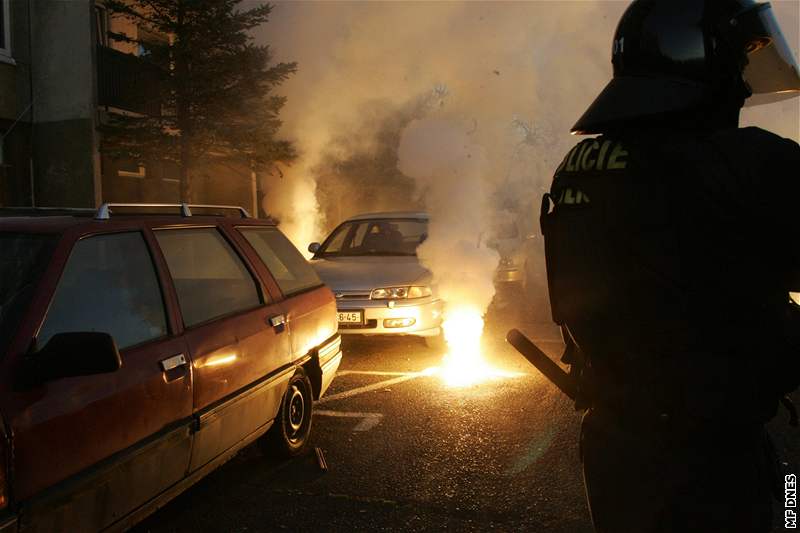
(289, 434)
(436, 342)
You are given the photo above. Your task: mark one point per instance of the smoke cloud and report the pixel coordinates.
(291, 197)
(505, 79)
(449, 169)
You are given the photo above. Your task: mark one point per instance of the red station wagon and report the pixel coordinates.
(140, 350)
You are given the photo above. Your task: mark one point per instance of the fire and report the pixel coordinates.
(464, 364)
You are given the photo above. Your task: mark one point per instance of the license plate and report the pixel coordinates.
(351, 317)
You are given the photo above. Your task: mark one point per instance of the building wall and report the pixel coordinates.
(223, 183)
(215, 182)
(8, 91)
(15, 114)
(64, 136)
(150, 182)
(51, 156)
(15, 183)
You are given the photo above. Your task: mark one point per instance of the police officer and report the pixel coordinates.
(672, 242)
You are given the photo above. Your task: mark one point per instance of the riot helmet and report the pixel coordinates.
(673, 56)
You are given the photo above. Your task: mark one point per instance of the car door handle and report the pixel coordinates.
(173, 362)
(277, 321)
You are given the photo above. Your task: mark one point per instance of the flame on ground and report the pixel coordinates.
(464, 364)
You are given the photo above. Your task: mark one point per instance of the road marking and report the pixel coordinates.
(367, 424)
(368, 388)
(374, 373)
(368, 420)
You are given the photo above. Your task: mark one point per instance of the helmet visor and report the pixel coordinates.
(771, 67)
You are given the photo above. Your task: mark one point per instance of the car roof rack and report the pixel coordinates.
(105, 211)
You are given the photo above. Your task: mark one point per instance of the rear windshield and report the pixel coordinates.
(23, 258)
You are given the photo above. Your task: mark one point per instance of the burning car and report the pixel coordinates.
(370, 263)
(507, 240)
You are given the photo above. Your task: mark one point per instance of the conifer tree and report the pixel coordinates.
(215, 89)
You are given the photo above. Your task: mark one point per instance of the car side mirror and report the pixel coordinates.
(314, 247)
(73, 354)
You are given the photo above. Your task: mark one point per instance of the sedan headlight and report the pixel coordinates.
(419, 292)
(399, 293)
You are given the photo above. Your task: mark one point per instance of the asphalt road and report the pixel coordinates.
(405, 452)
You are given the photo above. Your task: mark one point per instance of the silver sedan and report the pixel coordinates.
(370, 263)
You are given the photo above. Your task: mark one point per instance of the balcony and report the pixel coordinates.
(127, 82)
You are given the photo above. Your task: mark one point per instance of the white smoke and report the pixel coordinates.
(290, 195)
(360, 63)
(450, 172)
(520, 75)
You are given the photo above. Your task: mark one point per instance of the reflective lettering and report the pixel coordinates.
(570, 196)
(614, 161)
(584, 148)
(610, 155)
(601, 159)
(586, 163)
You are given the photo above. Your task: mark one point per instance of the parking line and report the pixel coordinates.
(374, 373)
(368, 388)
(368, 420)
(346, 414)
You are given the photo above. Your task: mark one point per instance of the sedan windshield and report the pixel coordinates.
(22, 261)
(376, 237)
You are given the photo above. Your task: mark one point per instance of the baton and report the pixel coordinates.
(544, 364)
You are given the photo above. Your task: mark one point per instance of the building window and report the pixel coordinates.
(148, 41)
(5, 29)
(129, 169)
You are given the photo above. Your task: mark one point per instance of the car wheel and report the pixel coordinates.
(289, 435)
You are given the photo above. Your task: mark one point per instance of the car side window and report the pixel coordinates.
(109, 285)
(358, 238)
(336, 242)
(210, 279)
(288, 266)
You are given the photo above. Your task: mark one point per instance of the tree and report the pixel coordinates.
(215, 90)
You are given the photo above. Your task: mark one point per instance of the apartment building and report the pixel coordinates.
(61, 78)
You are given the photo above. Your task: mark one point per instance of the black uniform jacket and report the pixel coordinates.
(670, 257)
